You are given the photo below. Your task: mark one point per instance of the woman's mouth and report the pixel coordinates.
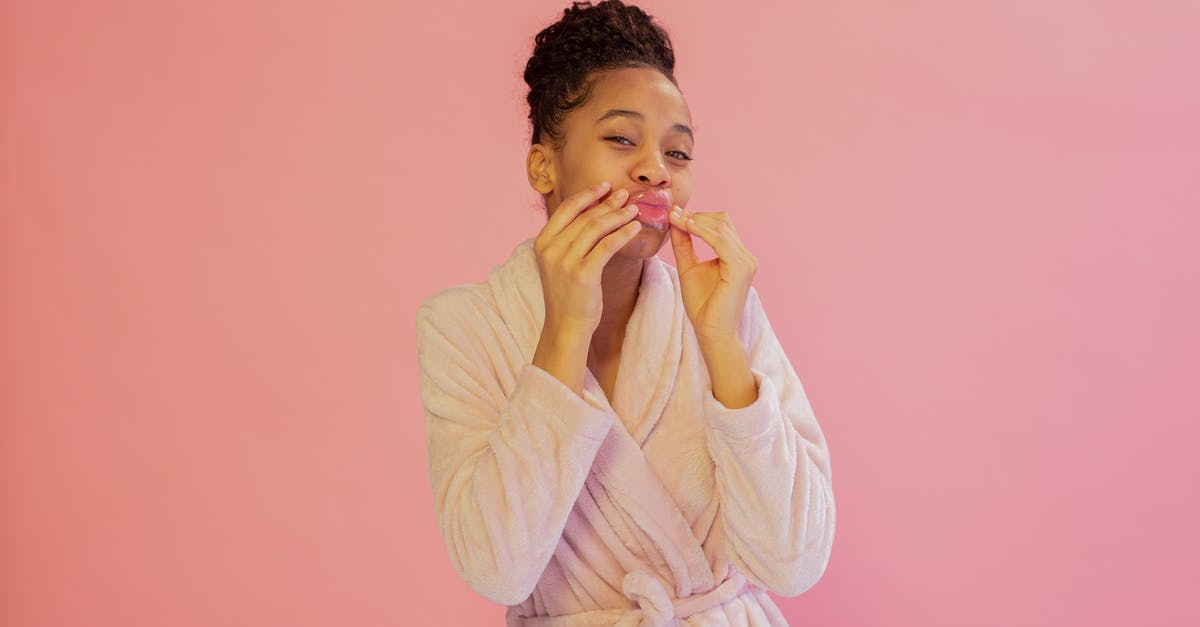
(653, 206)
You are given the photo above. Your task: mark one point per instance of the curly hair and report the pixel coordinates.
(588, 40)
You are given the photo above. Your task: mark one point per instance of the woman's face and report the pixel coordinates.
(634, 132)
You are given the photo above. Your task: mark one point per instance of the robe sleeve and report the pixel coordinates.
(505, 469)
(773, 476)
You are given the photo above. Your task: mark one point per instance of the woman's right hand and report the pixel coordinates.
(572, 250)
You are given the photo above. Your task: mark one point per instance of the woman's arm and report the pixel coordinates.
(773, 474)
(505, 469)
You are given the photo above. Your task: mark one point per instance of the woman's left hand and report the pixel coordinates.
(714, 291)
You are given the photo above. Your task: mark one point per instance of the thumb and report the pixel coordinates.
(681, 245)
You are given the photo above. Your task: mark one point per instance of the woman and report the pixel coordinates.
(613, 441)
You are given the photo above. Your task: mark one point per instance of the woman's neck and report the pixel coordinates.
(619, 283)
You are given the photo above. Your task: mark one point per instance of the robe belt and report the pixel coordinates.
(657, 608)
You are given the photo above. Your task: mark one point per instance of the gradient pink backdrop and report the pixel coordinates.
(976, 225)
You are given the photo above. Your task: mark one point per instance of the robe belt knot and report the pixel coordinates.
(657, 608)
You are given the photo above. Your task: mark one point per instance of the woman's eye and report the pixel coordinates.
(682, 155)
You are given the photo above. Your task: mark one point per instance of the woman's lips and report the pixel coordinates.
(653, 206)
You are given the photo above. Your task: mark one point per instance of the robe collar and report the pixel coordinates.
(647, 372)
(650, 351)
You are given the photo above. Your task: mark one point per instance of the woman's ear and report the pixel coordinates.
(540, 169)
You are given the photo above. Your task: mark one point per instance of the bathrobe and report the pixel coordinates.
(659, 506)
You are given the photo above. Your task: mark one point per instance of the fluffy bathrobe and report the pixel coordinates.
(661, 507)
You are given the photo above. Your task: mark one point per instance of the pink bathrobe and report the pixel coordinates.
(663, 507)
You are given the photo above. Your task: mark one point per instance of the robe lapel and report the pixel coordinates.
(650, 352)
(632, 485)
(646, 373)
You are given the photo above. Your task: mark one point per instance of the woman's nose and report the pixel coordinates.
(653, 172)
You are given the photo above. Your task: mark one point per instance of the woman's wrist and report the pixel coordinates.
(729, 371)
(562, 352)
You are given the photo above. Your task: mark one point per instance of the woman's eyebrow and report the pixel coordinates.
(612, 113)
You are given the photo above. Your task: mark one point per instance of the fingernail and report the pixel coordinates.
(675, 211)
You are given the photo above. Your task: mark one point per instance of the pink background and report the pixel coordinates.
(976, 224)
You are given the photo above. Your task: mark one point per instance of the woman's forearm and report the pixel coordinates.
(729, 369)
(563, 353)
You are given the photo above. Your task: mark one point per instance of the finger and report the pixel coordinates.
(609, 245)
(582, 218)
(600, 221)
(708, 227)
(679, 218)
(681, 243)
(574, 204)
(724, 221)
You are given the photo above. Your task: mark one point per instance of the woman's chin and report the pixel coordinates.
(646, 243)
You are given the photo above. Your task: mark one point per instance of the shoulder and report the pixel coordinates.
(453, 311)
(472, 301)
(452, 299)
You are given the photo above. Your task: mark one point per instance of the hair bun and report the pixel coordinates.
(588, 39)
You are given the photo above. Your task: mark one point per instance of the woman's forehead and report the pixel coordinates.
(637, 94)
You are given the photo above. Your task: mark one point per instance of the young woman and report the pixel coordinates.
(613, 441)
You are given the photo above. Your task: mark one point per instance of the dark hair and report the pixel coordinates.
(587, 40)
